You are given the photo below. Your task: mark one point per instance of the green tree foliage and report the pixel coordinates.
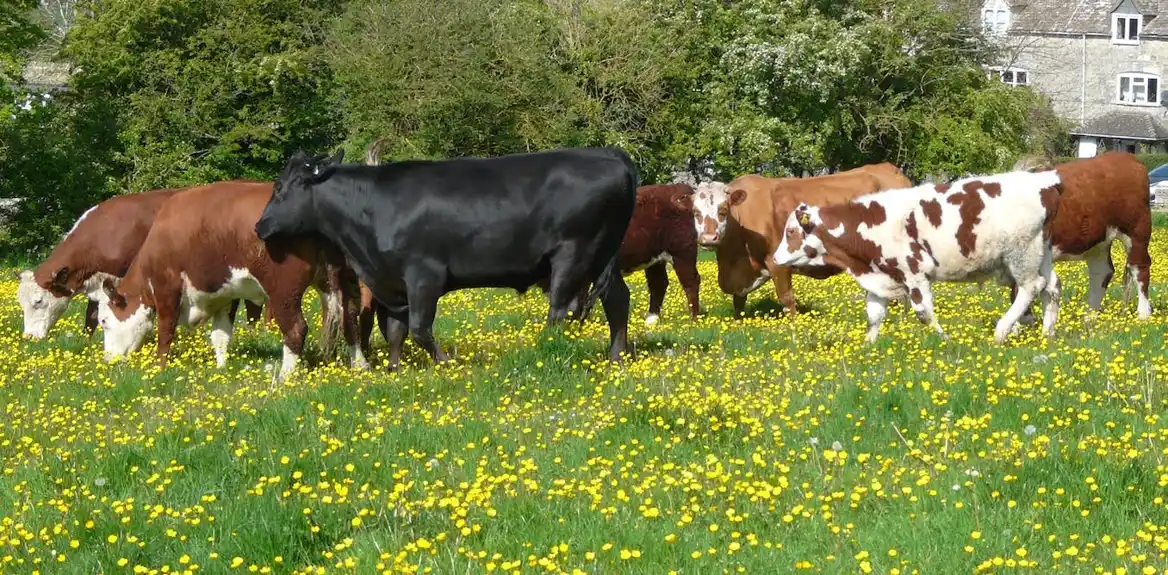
(174, 92)
(208, 89)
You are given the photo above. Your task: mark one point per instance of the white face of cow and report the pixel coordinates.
(800, 246)
(42, 308)
(125, 323)
(711, 210)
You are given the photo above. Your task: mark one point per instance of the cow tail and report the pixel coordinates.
(612, 268)
(332, 322)
(601, 285)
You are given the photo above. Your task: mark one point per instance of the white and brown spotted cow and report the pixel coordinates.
(899, 242)
(201, 254)
(101, 244)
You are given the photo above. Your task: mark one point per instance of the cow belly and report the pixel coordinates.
(1080, 255)
(197, 305)
(661, 257)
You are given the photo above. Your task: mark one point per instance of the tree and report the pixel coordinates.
(210, 90)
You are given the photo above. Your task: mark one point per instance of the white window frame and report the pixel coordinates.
(1135, 80)
(1121, 28)
(1001, 72)
(995, 17)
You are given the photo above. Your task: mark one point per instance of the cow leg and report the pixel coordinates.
(287, 309)
(921, 296)
(685, 266)
(1028, 315)
(784, 292)
(351, 306)
(91, 317)
(394, 332)
(255, 312)
(658, 282)
(167, 326)
(365, 317)
(1139, 264)
(1050, 301)
(1100, 270)
(739, 305)
(231, 309)
(877, 308)
(424, 289)
(221, 328)
(1028, 270)
(616, 311)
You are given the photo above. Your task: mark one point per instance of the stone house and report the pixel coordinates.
(1103, 63)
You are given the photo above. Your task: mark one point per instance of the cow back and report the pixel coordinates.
(1107, 191)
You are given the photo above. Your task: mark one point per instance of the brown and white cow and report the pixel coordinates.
(1104, 199)
(660, 232)
(898, 242)
(101, 244)
(743, 222)
(201, 254)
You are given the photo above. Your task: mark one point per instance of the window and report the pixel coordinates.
(1011, 76)
(995, 17)
(1125, 28)
(1139, 89)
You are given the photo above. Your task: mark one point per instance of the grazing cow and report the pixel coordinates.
(1105, 198)
(659, 232)
(200, 255)
(101, 244)
(897, 242)
(743, 222)
(416, 230)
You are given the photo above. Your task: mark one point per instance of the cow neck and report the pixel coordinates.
(328, 210)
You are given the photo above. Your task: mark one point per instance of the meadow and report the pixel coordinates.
(761, 445)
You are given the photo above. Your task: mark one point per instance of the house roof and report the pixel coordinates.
(1136, 125)
(1077, 16)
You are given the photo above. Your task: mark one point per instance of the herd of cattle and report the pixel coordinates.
(385, 242)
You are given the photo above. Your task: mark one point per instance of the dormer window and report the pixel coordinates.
(1126, 28)
(995, 17)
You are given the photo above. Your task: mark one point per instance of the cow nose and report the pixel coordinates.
(708, 238)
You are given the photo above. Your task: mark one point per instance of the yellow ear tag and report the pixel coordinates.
(804, 218)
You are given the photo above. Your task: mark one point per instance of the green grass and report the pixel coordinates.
(725, 439)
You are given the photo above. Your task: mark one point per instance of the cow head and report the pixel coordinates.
(125, 321)
(800, 245)
(291, 210)
(711, 209)
(43, 305)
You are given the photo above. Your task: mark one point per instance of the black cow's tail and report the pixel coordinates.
(612, 268)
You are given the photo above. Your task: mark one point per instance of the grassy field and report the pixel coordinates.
(764, 445)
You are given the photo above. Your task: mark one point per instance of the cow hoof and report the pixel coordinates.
(652, 319)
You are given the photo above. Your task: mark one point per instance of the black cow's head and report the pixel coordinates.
(290, 211)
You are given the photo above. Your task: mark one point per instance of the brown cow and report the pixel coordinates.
(1105, 198)
(743, 222)
(660, 232)
(201, 254)
(101, 244)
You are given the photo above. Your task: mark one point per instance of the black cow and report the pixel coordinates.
(416, 230)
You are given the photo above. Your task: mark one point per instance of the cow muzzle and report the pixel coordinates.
(709, 239)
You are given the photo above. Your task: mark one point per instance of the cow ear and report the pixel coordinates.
(337, 158)
(804, 218)
(683, 200)
(61, 278)
(737, 197)
(111, 291)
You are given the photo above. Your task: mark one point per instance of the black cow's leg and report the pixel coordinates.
(658, 282)
(423, 293)
(394, 332)
(616, 311)
(91, 317)
(255, 312)
(569, 283)
(231, 311)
